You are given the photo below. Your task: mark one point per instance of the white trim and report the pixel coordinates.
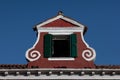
(38, 38)
(61, 59)
(33, 55)
(60, 29)
(61, 69)
(53, 33)
(27, 52)
(49, 20)
(60, 73)
(60, 17)
(82, 36)
(88, 55)
(94, 52)
(72, 21)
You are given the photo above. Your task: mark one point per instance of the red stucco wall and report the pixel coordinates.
(79, 62)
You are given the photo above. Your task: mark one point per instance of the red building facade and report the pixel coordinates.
(60, 44)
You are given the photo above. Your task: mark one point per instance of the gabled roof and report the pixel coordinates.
(60, 21)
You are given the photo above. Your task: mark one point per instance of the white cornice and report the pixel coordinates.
(63, 69)
(60, 29)
(60, 73)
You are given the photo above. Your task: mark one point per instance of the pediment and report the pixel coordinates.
(59, 21)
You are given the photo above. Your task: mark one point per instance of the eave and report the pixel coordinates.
(59, 73)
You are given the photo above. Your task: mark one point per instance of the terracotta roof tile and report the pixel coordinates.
(13, 66)
(24, 66)
(108, 66)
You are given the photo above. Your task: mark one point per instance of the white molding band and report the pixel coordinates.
(61, 59)
(53, 33)
(60, 29)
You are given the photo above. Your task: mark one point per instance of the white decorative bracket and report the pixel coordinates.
(89, 54)
(33, 55)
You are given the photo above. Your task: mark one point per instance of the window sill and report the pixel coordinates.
(61, 58)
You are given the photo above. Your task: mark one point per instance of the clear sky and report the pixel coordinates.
(18, 17)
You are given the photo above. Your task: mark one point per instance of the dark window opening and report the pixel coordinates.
(61, 48)
(60, 45)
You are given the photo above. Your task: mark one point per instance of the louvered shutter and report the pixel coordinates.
(47, 45)
(73, 45)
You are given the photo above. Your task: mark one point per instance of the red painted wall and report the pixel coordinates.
(79, 62)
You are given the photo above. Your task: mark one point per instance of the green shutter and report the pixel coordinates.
(73, 45)
(47, 45)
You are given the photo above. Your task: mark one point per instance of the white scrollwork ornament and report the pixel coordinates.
(33, 55)
(88, 55)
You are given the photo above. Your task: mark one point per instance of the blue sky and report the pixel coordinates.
(18, 17)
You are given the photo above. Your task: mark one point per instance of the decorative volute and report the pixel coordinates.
(60, 44)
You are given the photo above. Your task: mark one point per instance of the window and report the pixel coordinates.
(60, 45)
